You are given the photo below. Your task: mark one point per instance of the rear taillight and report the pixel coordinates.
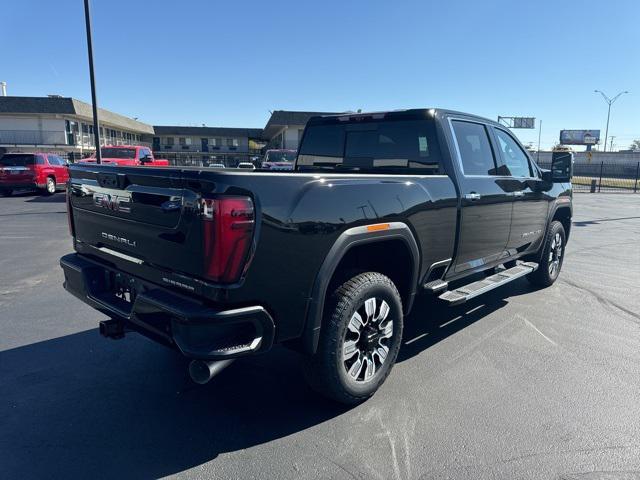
(228, 225)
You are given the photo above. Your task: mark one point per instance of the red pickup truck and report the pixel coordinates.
(127, 155)
(46, 172)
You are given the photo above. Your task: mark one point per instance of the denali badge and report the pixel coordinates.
(115, 238)
(115, 203)
(529, 234)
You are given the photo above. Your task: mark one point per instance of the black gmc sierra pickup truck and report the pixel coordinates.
(326, 258)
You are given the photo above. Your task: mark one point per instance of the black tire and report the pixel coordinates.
(328, 370)
(552, 257)
(6, 192)
(50, 186)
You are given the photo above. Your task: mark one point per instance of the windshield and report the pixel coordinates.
(119, 152)
(391, 145)
(17, 160)
(280, 156)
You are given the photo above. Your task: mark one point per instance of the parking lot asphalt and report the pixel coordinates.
(520, 383)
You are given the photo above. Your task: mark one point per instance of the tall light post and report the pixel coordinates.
(94, 101)
(609, 102)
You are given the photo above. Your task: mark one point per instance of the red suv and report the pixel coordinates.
(42, 171)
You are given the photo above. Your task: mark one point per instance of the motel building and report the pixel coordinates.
(62, 125)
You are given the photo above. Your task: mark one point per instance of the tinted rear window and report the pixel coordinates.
(391, 146)
(9, 160)
(475, 149)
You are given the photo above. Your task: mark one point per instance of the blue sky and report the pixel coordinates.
(227, 63)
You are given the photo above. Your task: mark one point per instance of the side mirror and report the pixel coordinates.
(561, 167)
(146, 159)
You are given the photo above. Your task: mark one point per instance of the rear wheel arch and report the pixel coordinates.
(392, 252)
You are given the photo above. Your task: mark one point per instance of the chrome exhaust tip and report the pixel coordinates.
(201, 371)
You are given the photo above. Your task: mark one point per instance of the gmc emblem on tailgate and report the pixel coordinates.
(114, 203)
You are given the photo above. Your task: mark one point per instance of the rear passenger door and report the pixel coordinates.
(59, 168)
(485, 216)
(530, 202)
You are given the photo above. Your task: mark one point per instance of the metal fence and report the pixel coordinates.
(604, 177)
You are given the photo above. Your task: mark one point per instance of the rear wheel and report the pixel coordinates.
(552, 257)
(50, 186)
(6, 192)
(360, 339)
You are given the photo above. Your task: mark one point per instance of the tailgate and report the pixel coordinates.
(145, 216)
(12, 174)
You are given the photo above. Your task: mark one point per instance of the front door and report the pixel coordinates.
(530, 203)
(485, 206)
(204, 144)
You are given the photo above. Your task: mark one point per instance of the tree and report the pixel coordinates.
(635, 145)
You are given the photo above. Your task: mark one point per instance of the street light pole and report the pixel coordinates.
(94, 101)
(539, 135)
(610, 102)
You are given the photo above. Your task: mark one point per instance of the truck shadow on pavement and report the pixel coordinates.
(80, 405)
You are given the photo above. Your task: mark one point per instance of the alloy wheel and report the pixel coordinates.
(367, 340)
(555, 255)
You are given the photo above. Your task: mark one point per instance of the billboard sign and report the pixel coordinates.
(579, 137)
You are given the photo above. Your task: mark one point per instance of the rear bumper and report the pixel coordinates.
(19, 185)
(197, 330)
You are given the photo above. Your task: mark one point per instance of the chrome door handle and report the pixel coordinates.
(518, 194)
(472, 196)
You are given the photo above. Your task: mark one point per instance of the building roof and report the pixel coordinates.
(281, 118)
(69, 106)
(208, 131)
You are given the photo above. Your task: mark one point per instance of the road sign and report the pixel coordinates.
(518, 122)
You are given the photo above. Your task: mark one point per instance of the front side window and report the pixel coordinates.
(475, 149)
(513, 157)
(390, 146)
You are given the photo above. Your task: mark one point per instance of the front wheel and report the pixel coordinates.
(552, 257)
(359, 340)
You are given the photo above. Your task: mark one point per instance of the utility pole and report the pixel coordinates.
(610, 102)
(539, 135)
(94, 101)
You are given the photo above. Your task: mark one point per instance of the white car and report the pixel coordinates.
(216, 165)
(247, 165)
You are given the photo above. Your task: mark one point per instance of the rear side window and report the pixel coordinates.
(513, 157)
(475, 149)
(390, 146)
